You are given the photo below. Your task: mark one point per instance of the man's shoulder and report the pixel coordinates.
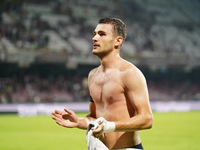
(128, 67)
(129, 70)
(92, 73)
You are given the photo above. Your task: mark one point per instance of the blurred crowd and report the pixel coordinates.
(38, 26)
(174, 90)
(34, 89)
(156, 29)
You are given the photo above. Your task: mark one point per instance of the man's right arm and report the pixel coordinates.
(84, 122)
(69, 119)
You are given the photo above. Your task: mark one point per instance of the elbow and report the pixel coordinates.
(149, 121)
(150, 125)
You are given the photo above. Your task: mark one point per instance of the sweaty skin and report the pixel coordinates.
(117, 98)
(119, 91)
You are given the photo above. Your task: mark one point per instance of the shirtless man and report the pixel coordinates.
(118, 90)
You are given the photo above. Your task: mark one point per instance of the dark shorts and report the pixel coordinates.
(139, 146)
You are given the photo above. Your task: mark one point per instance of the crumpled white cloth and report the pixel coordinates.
(92, 142)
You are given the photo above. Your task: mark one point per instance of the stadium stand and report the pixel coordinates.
(161, 34)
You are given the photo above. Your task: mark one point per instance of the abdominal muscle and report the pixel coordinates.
(112, 112)
(112, 104)
(117, 140)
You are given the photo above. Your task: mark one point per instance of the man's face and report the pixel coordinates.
(103, 40)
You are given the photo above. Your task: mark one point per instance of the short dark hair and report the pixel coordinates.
(119, 27)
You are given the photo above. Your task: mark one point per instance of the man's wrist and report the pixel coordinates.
(109, 126)
(82, 123)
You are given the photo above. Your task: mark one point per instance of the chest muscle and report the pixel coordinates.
(106, 88)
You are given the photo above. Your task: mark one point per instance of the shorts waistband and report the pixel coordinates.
(136, 147)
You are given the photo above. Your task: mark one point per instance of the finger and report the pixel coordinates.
(56, 118)
(56, 112)
(59, 112)
(99, 128)
(97, 135)
(53, 112)
(53, 117)
(59, 122)
(68, 111)
(98, 131)
(67, 114)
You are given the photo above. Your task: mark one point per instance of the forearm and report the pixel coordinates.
(138, 122)
(84, 122)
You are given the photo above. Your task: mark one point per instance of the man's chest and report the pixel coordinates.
(106, 86)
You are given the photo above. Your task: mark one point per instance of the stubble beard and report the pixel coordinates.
(101, 54)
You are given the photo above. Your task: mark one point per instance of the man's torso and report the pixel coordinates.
(108, 92)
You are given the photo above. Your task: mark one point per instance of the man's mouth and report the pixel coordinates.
(95, 46)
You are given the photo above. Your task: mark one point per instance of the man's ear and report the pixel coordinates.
(118, 42)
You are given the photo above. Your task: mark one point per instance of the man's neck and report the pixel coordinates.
(109, 61)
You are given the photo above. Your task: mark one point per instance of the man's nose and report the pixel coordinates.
(94, 39)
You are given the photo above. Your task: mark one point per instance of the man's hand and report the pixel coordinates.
(65, 118)
(102, 126)
(98, 131)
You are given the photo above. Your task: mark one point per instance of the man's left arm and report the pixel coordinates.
(137, 93)
(136, 90)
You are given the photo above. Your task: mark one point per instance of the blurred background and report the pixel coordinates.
(45, 48)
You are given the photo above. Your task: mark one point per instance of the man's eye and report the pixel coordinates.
(102, 34)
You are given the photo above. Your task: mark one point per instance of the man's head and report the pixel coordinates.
(109, 35)
(119, 28)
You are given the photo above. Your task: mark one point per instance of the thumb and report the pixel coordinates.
(98, 131)
(99, 128)
(67, 114)
(68, 111)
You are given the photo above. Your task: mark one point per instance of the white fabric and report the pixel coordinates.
(92, 142)
(108, 126)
